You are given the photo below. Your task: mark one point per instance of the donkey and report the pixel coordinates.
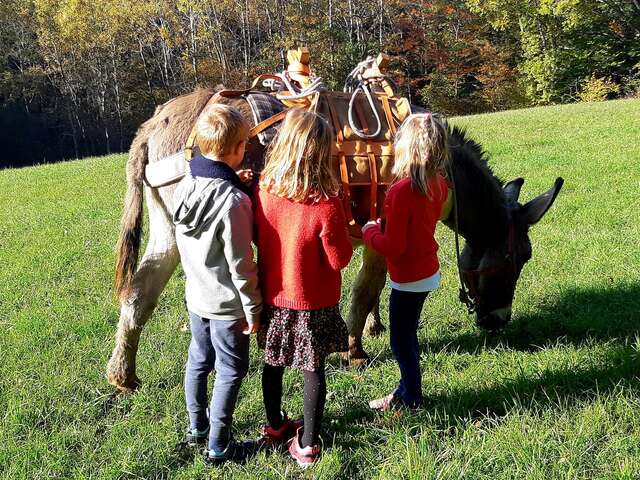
(493, 223)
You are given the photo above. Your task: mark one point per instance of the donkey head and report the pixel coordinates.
(490, 273)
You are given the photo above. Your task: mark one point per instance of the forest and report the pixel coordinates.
(77, 77)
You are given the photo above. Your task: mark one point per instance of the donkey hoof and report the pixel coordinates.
(358, 362)
(125, 383)
(128, 386)
(374, 329)
(355, 359)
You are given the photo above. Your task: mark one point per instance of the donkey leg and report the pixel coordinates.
(136, 309)
(374, 327)
(365, 296)
(156, 267)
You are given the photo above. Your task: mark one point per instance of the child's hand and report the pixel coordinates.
(251, 328)
(371, 223)
(246, 175)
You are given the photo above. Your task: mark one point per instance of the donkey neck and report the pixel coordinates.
(483, 220)
(483, 216)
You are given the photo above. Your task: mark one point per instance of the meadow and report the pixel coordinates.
(555, 396)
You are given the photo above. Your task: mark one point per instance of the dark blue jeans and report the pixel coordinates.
(216, 345)
(404, 314)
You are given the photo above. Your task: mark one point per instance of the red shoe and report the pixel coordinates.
(306, 456)
(272, 436)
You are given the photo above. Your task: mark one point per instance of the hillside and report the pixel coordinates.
(555, 396)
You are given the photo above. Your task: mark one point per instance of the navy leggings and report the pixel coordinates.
(404, 315)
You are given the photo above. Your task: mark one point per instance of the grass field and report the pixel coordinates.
(556, 396)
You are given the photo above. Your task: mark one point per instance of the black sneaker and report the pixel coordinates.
(235, 452)
(195, 437)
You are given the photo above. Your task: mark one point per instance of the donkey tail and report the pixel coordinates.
(129, 239)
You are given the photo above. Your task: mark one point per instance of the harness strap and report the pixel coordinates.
(373, 202)
(387, 113)
(234, 93)
(336, 122)
(263, 77)
(267, 122)
(354, 230)
(373, 171)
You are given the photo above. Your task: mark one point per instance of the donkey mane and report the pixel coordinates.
(481, 197)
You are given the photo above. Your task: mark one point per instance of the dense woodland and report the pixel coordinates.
(77, 77)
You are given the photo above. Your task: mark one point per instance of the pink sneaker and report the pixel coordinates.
(272, 436)
(383, 404)
(305, 457)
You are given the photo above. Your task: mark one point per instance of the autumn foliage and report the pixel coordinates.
(79, 76)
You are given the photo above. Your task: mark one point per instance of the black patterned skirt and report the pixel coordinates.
(301, 338)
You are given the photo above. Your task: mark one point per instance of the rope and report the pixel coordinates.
(365, 89)
(294, 93)
(361, 85)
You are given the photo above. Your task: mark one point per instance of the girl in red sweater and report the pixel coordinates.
(412, 207)
(302, 244)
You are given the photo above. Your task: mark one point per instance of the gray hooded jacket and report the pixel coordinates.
(214, 229)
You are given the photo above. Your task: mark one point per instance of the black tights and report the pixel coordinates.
(315, 393)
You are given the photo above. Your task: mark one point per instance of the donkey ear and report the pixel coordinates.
(534, 210)
(512, 189)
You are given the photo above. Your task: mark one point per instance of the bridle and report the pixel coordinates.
(469, 278)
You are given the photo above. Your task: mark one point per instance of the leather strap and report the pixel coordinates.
(346, 191)
(354, 229)
(387, 113)
(264, 76)
(234, 93)
(335, 121)
(373, 202)
(266, 123)
(373, 171)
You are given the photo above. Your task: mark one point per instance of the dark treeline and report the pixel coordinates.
(79, 76)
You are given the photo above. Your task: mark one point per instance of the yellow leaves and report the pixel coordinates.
(84, 27)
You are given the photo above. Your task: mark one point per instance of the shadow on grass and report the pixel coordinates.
(580, 315)
(579, 318)
(454, 411)
(619, 366)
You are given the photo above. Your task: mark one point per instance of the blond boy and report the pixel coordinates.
(214, 225)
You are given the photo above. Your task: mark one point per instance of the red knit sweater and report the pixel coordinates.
(301, 249)
(408, 240)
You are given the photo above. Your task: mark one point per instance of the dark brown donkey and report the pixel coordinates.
(492, 221)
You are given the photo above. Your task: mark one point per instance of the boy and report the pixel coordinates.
(214, 228)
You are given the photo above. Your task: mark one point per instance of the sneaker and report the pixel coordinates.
(235, 452)
(195, 437)
(393, 402)
(385, 403)
(305, 457)
(279, 436)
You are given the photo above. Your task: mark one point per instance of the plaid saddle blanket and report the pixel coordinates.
(264, 106)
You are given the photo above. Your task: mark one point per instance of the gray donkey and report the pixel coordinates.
(489, 217)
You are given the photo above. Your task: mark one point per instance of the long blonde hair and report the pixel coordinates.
(421, 150)
(299, 165)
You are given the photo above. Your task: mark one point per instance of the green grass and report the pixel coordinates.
(555, 396)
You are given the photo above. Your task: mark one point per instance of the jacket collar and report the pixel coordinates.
(204, 167)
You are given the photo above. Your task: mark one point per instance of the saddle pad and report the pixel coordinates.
(166, 171)
(264, 106)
